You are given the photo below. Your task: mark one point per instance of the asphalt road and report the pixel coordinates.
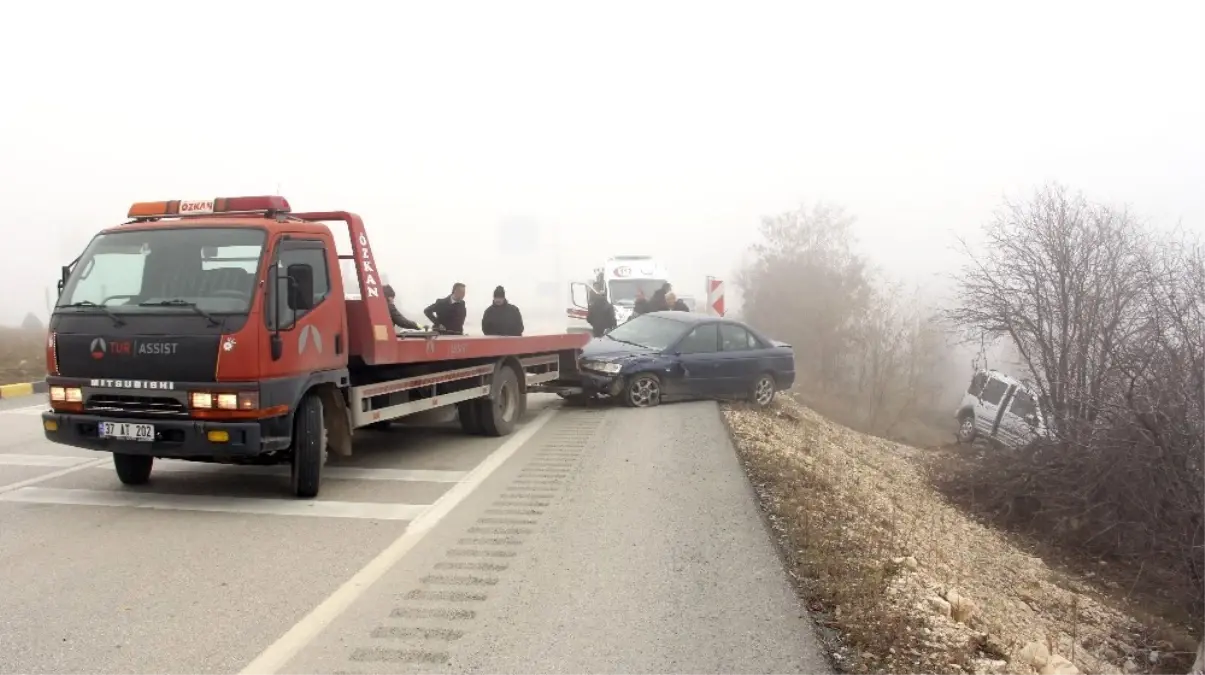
(607, 540)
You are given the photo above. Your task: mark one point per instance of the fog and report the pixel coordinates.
(522, 143)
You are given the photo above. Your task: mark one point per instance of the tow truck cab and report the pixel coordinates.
(198, 323)
(218, 330)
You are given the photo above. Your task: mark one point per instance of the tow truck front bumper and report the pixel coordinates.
(174, 438)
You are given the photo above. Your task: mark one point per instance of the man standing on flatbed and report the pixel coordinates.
(447, 314)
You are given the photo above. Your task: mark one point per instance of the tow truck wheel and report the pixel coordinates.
(470, 421)
(500, 410)
(133, 469)
(309, 451)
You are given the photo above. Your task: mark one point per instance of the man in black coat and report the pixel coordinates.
(641, 306)
(447, 314)
(502, 318)
(601, 313)
(658, 303)
(398, 320)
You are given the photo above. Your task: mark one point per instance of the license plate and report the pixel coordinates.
(128, 431)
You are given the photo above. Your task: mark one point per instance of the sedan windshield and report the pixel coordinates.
(208, 269)
(651, 332)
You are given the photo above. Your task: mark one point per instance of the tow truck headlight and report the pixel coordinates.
(66, 395)
(209, 400)
(607, 367)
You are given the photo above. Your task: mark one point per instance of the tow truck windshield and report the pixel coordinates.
(204, 270)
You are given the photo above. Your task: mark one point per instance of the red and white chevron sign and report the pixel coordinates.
(715, 296)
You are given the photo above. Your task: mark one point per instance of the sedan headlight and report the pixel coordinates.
(607, 367)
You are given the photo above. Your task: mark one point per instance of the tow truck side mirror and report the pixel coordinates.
(301, 287)
(64, 275)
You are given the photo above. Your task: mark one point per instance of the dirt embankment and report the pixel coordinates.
(22, 355)
(901, 580)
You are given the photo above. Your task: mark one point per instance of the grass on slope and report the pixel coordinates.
(900, 580)
(22, 355)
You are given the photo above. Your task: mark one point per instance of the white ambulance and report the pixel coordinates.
(623, 278)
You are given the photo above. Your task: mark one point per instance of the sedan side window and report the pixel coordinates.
(994, 391)
(734, 338)
(702, 340)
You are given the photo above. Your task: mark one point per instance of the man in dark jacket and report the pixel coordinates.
(447, 314)
(502, 318)
(398, 320)
(657, 303)
(641, 306)
(675, 303)
(601, 313)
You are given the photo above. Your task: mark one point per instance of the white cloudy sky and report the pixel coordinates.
(620, 127)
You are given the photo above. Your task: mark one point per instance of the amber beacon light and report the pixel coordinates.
(208, 207)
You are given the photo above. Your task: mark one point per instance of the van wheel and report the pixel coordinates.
(762, 393)
(966, 429)
(499, 411)
(470, 421)
(133, 469)
(309, 447)
(643, 391)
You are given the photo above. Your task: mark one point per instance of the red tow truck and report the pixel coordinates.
(217, 330)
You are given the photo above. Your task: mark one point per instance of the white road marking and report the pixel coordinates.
(173, 502)
(279, 653)
(43, 460)
(26, 410)
(10, 487)
(335, 472)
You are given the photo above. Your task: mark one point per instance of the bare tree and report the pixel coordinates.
(805, 281)
(864, 350)
(1059, 278)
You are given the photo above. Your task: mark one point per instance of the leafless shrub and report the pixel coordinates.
(1107, 316)
(866, 351)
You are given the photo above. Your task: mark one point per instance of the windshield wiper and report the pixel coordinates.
(117, 320)
(177, 302)
(628, 342)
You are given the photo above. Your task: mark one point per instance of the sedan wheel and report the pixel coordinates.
(763, 391)
(644, 391)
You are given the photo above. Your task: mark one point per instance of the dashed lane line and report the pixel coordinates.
(279, 653)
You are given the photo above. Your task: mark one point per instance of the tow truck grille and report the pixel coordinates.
(143, 406)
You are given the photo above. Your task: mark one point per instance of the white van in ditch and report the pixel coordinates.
(1000, 409)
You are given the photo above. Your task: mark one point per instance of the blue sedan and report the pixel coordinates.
(666, 356)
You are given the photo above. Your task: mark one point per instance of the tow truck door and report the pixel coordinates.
(305, 308)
